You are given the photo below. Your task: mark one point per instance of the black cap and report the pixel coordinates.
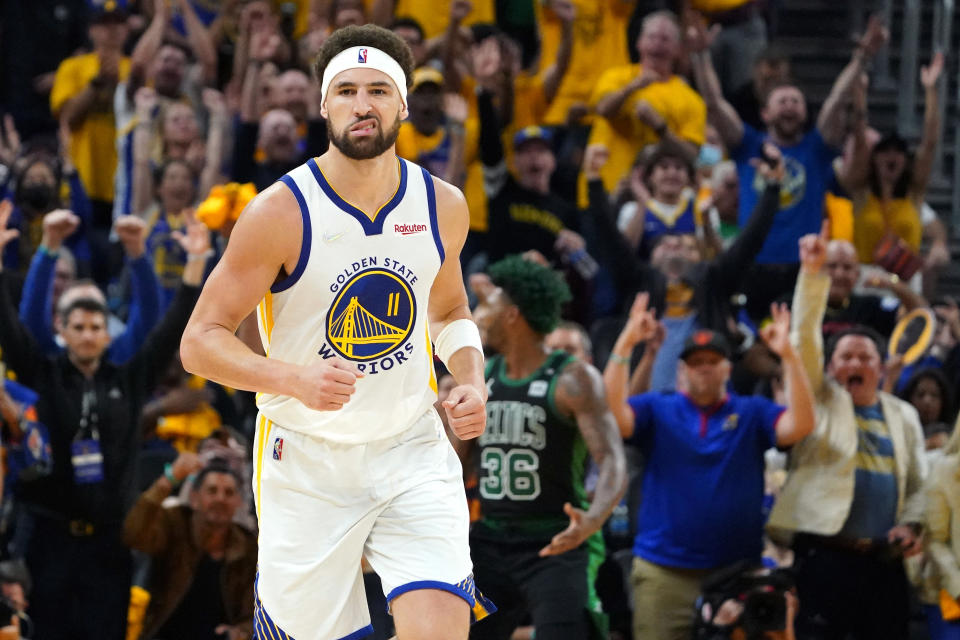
(706, 339)
(107, 11)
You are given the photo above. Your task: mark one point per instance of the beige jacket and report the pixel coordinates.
(942, 518)
(819, 489)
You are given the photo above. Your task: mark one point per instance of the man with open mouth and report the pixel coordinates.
(853, 501)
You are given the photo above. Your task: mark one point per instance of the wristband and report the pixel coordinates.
(168, 474)
(197, 257)
(47, 252)
(620, 359)
(455, 336)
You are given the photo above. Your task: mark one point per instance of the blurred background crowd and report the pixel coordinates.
(681, 148)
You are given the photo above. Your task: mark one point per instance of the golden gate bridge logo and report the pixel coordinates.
(373, 315)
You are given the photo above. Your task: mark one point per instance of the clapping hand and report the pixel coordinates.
(777, 333)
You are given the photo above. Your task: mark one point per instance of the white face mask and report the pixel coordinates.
(710, 155)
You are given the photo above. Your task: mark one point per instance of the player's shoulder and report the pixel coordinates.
(275, 215)
(578, 382)
(453, 216)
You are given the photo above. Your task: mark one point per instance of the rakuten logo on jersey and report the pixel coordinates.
(407, 229)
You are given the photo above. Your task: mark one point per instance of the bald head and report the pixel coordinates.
(659, 42)
(278, 136)
(844, 269)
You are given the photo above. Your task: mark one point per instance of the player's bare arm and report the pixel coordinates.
(580, 394)
(263, 246)
(466, 413)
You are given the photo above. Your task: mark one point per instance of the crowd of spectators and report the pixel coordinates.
(664, 160)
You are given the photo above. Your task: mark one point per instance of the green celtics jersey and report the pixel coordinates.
(532, 459)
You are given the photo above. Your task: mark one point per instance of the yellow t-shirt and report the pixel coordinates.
(872, 219)
(93, 144)
(599, 42)
(625, 135)
(434, 15)
(431, 152)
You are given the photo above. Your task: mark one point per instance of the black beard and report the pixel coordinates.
(370, 147)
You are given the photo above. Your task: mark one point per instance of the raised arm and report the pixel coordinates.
(216, 140)
(798, 420)
(720, 112)
(450, 45)
(641, 326)
(580, 392)
(149, 43)
(265, 242)
(451, 323)
(200, 41)
(146, 104)
(20, 351)
(854, 173)
(809, 305)
(553, 76)
(831, 122)
(923, 160)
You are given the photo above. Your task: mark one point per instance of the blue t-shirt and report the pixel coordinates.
(702, 504)
(874, 509)
(809, 171)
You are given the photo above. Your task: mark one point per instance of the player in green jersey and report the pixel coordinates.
(538, 545)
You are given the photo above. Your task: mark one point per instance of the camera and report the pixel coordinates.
(760, 592)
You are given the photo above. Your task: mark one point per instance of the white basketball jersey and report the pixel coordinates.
(359, 292)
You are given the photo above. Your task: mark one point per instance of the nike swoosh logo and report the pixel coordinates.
(332, 237)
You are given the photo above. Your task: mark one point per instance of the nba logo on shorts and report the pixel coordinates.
(362, 55)
(278, 449)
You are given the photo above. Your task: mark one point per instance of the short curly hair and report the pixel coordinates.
(369, 35)
(539, 292)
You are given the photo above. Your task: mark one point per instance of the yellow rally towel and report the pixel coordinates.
(949, 608)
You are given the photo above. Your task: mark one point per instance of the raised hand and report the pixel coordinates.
(132, 233)
(777, 333)
(9, 142)
(6, 235)
(698, 37)
(774, 170)
(145, 102)
(813, 249)
(459, 10)
(215, 103)
(486, 63)
(594, 158)
(580, 528)
(455, 108)
(875, 36)
(196, 240)
(931, 73)
(641, 323)
(564, 10)
(58, 225)
(187, 463)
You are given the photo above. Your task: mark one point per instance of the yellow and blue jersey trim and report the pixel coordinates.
(372, 225)
(305, 242)
(264, 628)
(480, 606)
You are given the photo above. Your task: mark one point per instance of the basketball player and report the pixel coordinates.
(354, 259)
(538, 545)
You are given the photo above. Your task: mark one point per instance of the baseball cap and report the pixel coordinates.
(424, 75)
(107, 10)
(705, 339)
(532, 132)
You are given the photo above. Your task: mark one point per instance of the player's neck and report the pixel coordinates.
(523, 357)
(365, 183)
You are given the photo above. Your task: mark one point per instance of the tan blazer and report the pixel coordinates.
(942, 518)
(819, 489)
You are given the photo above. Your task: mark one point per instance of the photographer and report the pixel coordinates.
(746, 602)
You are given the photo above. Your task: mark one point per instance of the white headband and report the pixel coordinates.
(364, 58)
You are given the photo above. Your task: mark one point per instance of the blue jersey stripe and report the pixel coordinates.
(432, 208)
(305, 242)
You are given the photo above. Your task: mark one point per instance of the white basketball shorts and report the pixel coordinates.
(321, 505)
